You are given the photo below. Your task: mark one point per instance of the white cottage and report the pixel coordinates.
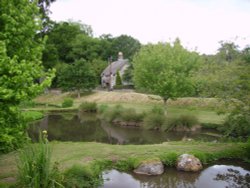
(108, 76)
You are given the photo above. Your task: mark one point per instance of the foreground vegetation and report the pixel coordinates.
(97, 156)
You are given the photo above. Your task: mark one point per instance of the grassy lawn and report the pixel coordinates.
(69, 153)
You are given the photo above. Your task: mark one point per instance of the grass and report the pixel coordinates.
(68, 154)
(32, 115)
(202, 108)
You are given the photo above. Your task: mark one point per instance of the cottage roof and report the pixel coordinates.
(114, 67)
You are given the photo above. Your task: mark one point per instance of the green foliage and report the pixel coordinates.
(182, 121)
(169, 159)
(237, 123)
(154, 121)
(118, 80)
(81, 176)
(102, 108)
(35, 169)
(129, 114)
(118, 113)
(165, 70)
(112, 113)
(127, 164)
(67, 102)
(78, 76)
(32, 115)
(88, 107)
(21, 74)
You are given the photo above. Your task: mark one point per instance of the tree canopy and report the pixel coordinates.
(164, 69)
(21, 74)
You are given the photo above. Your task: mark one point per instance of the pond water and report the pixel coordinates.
(87, 127)
(215, 176)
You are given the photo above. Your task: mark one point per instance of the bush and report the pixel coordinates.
(32, 115)
(67, 102)
(185, 121)
(34, 167)
(81, 176)
(169, 159)
(237, 123)
(88, 107)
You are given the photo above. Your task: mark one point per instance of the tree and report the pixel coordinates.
(20, 67)
(118, 80)
(125, 44)
(228, 51)
(165, 70)
(78, 76)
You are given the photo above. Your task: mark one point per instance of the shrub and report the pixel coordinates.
(67, 102)
(81, 176)
(185, 121)
(153, 121)
(88, 107)
(169, 159)
(237, 123)
(34, 167)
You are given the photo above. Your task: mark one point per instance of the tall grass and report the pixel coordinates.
(88, 107)
(184, 122)
(34, 166)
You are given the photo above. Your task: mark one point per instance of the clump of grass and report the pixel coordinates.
(81, 176)
(183, 121)
(130, 115)
(153, 121)
(127, 165)
(67, 102)
(88, 107)
(169, 159)
(102, 108)
(35, 169)
(112, 114)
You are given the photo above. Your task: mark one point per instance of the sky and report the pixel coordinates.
(199, 24)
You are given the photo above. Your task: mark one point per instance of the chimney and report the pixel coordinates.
(120, 56)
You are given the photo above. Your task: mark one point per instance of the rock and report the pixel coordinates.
(150, 168)
(188, 163)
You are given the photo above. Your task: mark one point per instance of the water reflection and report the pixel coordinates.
(87, 127)
(216, 176)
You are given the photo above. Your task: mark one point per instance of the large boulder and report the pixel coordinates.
(150, 168)
(188, 163)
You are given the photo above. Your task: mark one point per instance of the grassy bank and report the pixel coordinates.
(123, 156)
(202, 108)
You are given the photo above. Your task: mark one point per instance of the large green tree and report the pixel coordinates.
(78, 76)
(164, 69)
(21, 74)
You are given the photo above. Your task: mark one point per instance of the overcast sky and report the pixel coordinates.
(200, 24)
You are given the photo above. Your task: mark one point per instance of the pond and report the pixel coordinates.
(87, 127)
(214, 176)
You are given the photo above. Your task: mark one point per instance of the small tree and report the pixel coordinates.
(78, 76)
(118, 80)
(165, 70)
